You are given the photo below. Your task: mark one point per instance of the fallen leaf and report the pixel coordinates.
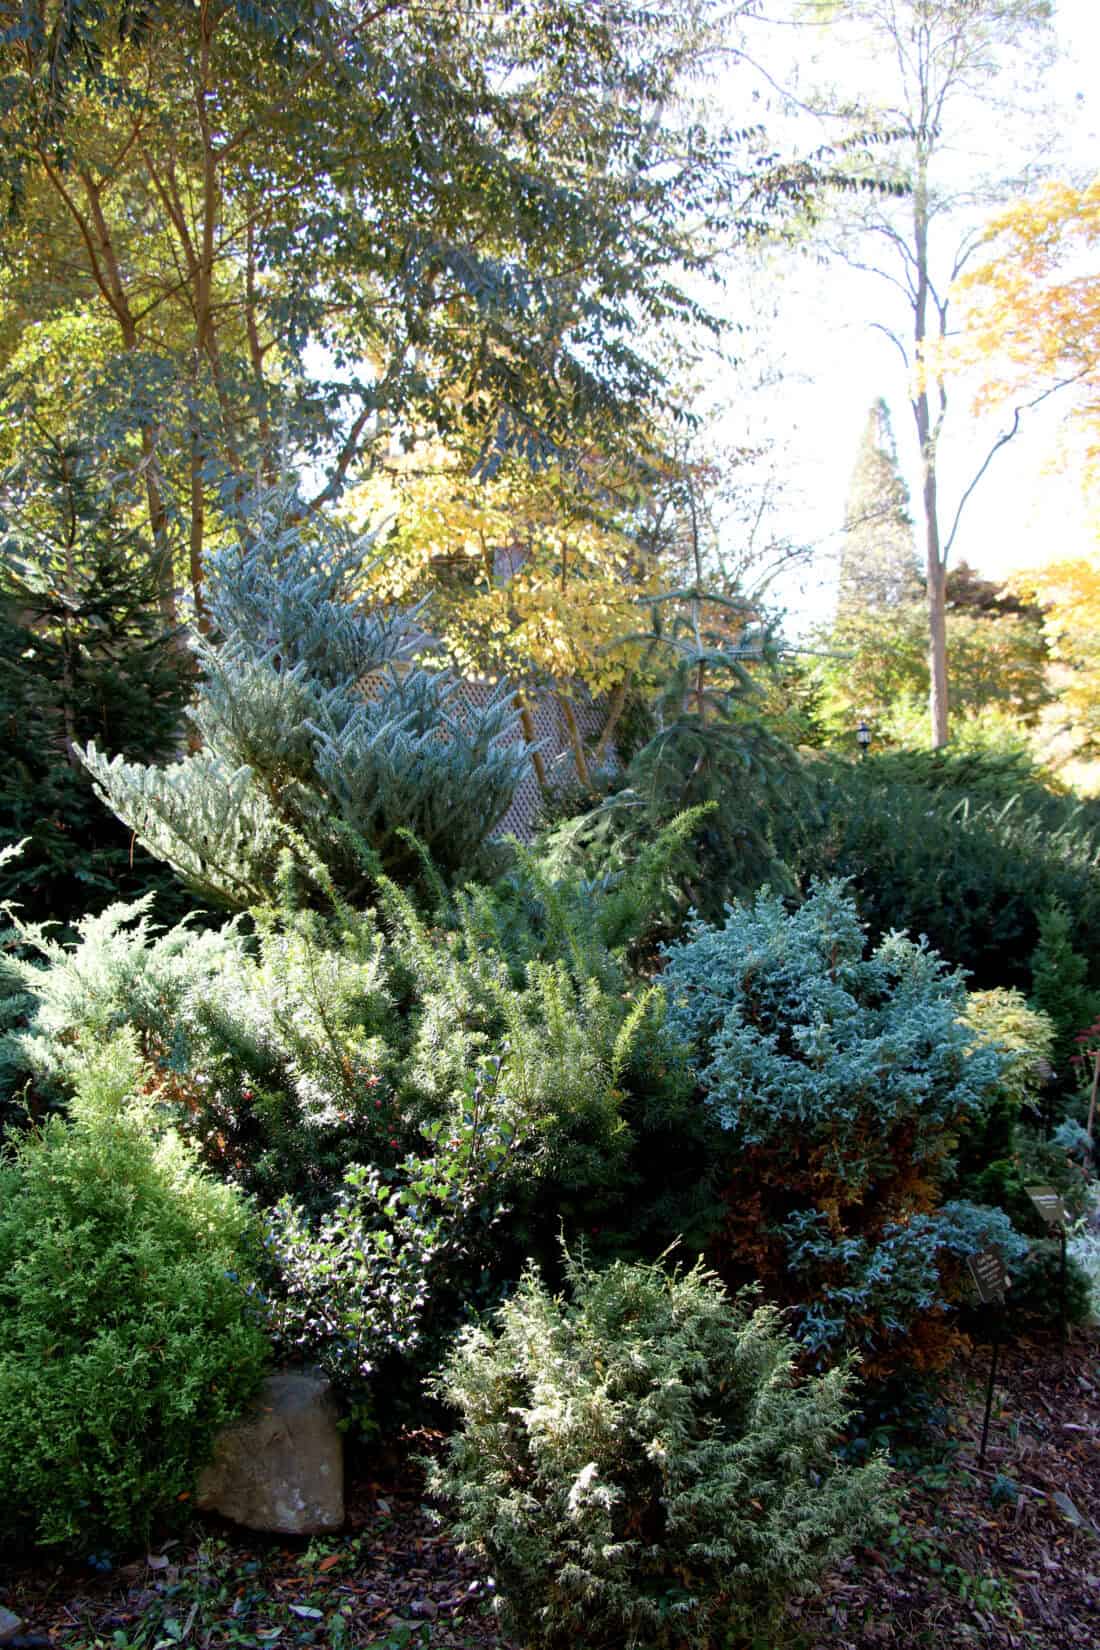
(1065, 1505)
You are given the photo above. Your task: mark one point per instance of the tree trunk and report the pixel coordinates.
(937, 639)
(935, 572)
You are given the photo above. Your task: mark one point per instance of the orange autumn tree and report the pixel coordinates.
(1069, 593)
(1032, 317)
(1032, 327)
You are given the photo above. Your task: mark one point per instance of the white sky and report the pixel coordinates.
(1022, 513)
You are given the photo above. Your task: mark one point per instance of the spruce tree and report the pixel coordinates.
(878, 567)
(83, 655)
(316, 731)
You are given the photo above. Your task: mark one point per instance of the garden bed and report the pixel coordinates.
(1006, 1556)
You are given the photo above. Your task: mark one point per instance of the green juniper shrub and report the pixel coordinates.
(840, 1080)
(638, 1465)
(128, 1335)
(116, 969)
(292, 1064)
(271, 1048)
(317, 1042)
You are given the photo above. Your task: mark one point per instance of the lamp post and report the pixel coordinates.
(863, 737)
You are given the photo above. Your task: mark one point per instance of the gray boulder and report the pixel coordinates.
(10, 1624)
(280, 1468)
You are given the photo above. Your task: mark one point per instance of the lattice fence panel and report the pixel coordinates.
(555, 746)
(551, 735)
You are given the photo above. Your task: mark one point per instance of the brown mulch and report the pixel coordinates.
(1023, 1574)
(1006, 1556)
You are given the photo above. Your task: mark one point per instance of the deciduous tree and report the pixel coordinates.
(327, 230)
(940, 66)
(1031, 322)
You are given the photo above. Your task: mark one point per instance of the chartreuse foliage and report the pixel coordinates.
(1007, 1151)
(638, 1465)
(1024, 1035)
(315, 730)
(128, 1337)
(841, 1080)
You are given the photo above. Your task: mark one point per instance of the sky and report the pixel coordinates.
(1025, 511)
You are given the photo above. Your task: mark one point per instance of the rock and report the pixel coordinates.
(281, 1468)
(10, 1624)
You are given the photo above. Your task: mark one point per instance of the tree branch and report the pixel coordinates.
(1002, 441)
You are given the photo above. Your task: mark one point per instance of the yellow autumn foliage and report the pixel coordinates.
(527, 576)
(1032, 310)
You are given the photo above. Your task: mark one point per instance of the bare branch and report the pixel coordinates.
(1002, 440)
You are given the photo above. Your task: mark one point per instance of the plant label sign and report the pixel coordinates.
(990, 1278)
(1049, 1205)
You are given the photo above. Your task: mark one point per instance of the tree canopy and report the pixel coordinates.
(323, 232)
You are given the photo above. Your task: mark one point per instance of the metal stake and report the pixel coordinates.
(1062, 1295)
(989, 1395)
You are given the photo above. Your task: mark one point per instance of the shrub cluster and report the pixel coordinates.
(640, 1467)
(841, 1080)
(415, 1086)
(128, 1336)
(970, 868)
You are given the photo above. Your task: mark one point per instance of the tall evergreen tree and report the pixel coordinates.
(878, 566)
(83, 655)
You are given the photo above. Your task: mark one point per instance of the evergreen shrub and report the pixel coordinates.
(128, 1338)
(1059, 985)
(369, 1292)
(318, 733)
(118, 969)
(639, 1466)
(971, 874)
(1028, 1159)
(324, 1063)
(1025, 1039)
(1036, 1291)
(1025, 1036)
(318, 1042)
(840, 1080)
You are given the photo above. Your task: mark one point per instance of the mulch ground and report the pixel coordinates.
(1006, 1556)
